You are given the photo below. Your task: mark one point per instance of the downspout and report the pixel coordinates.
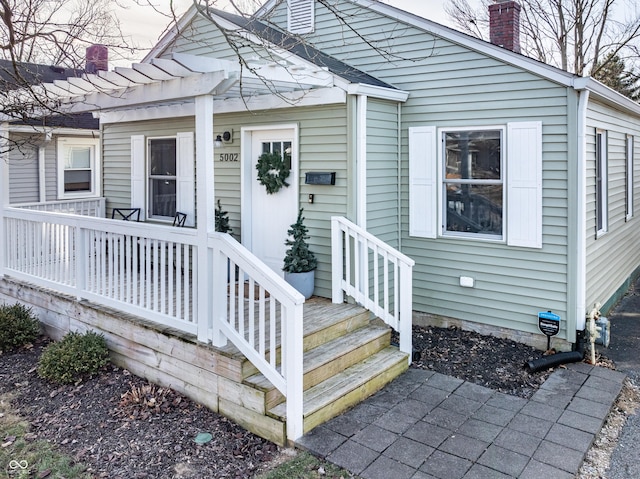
(42, 179)
(581, 213)
(361, 161)
(399, 185)
(4, 189)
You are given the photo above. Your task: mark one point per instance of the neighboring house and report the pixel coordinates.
(56, 157)
(509, 182)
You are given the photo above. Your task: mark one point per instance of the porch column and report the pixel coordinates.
(205, 213)
(4, 189)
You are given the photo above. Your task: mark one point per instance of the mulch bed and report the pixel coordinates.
(120, 426)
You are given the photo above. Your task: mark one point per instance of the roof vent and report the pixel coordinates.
(300, 15)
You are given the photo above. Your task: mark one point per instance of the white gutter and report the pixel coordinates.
(361, 161)
(379, 92)
(581, 213)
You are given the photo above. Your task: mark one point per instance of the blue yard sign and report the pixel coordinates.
(549, 323)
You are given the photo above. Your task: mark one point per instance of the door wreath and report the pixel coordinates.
(272, 172)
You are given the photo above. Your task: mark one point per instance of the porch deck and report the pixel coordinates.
(347, 358)
(178, 286)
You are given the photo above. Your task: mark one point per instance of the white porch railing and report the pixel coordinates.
(262, 316)
(85, 207)
(374, 274)
(152, 271)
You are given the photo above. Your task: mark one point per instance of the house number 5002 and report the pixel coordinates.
(228, 157)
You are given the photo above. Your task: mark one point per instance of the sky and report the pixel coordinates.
(146, 26)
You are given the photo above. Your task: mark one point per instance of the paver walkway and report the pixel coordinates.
(426, 424)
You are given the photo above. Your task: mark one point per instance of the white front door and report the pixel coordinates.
(271, 215)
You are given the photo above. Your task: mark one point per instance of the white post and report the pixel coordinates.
(81, 260)
(4, 190)
(406, 314)
(205, 213)
(294, 372)
(337, 261)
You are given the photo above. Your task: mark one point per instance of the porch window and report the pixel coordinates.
(477, 183)
(162, 178)
(77, 167)
(629, 178)
(601, 183)
(472, 185)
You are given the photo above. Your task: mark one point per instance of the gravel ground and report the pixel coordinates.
(121, 426)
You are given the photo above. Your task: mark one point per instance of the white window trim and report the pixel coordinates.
(95, 167)
(442, 232)
(629, 151)
(148, 140)
(602, 203)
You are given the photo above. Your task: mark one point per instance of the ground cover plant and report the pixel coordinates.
(18, 326)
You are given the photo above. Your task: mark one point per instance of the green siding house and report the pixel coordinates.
(508, 181)
(444, 180)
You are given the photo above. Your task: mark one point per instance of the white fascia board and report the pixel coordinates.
(606, 95)
(53, 130)
(172, 33)
(316, 97)
(378, 92)
(169, 90)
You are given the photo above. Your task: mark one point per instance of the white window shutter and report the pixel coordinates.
(423, 187)
(138, 175)
(300, 16)
(186, 186)
(524, 184)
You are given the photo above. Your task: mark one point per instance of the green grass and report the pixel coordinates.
(305, 466)
(21, 457)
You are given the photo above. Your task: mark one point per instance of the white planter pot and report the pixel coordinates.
(302, 282)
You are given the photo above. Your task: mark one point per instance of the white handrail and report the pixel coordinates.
(374, 274)
(81, 206)
(258, 307)
(147, 271)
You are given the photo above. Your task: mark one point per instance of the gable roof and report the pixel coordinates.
(557, 75)
(301, 49)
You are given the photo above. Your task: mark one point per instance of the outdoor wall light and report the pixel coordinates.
(225, 137)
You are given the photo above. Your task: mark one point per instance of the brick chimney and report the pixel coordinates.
(97, 58)
(504, 24)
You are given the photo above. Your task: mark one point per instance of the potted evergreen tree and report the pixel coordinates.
(222, 220)
(299, 262)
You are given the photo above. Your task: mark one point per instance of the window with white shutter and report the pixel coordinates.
(489, 185)
(300, 15)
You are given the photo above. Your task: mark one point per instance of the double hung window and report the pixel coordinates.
(77, 167)
(472, 185)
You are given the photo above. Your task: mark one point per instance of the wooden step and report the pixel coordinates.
(323, 322)
(326, 360)
(348, 388)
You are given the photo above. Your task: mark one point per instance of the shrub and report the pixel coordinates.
(18, 326)
(75, 357)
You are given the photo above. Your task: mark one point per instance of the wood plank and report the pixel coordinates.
(353, 385)
(264, 426)
(242, 395)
